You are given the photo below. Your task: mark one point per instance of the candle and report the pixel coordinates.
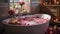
(52, 1)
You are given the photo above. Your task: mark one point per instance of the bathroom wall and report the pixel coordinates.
(33, 5)
(3, 10)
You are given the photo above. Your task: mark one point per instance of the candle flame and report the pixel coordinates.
(56, 20)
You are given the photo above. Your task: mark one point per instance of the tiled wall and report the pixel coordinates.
(33, 6)
(3, 10)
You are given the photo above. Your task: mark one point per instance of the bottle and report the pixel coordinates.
(55, 29)
(55, 2)
(52, 2)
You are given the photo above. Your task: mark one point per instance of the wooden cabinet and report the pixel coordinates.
(55, 9)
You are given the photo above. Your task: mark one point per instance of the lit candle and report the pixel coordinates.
(56, 20)
(51, 32)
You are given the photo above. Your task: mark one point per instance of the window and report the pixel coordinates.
(35, 0)
(27, 6)
(14, 4)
